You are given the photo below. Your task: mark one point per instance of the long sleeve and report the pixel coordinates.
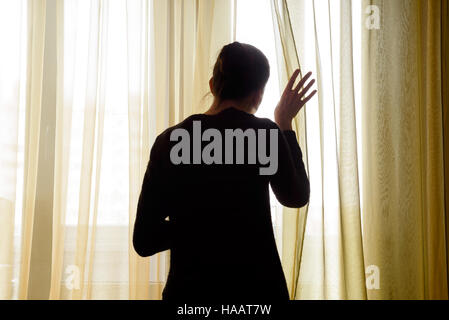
(152, 233)
(290, 183)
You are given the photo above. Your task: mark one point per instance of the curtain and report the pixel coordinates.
(85, 87)
(107, 76)
(20, 98)
(377, 127)
(294, 220)
(403, 88)
(323, 254)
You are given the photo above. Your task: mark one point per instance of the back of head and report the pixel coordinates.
(240, 70)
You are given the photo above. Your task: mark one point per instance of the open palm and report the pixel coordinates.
(292, 100)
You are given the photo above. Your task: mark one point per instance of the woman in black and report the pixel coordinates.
(215, 216)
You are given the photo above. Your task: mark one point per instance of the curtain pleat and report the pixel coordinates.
(62, 150)
(20, 92)
(34, 75)
(445, 106)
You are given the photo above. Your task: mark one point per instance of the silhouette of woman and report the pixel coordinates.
(215, 216)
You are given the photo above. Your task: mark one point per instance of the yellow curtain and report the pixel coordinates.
(445, 106)
(377, 196)
(404, 210)
(323, 254)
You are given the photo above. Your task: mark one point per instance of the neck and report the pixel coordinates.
(217, 107)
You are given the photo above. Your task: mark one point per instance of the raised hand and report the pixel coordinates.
(292, 100)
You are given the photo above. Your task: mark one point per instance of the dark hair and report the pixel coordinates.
(240, 69)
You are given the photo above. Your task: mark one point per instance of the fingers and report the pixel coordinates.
(290, 83)
(292, 79)
(302, 81)
(304, 101)
(304, 91)
(290, 93)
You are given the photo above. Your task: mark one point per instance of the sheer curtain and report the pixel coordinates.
(20, 102)
(111, 76)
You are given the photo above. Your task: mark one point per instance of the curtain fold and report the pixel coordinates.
(63, 128)
(36, 31)
(21, 73)
(445, 105)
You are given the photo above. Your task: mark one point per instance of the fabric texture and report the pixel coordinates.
(404, 210)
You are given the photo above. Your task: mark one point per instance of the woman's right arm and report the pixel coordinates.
(290, 183)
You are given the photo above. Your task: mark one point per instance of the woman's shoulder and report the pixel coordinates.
(163, 139)
(268, 123)
(184, 124)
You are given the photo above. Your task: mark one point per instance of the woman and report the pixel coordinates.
(213, 211)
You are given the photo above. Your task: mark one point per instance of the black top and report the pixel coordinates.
(219, 231)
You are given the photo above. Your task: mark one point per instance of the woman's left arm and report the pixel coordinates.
(152, 233)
